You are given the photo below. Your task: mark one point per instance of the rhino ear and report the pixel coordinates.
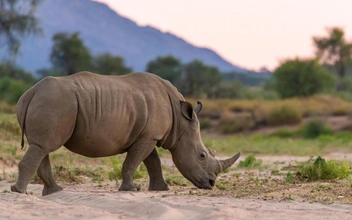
(187, 110)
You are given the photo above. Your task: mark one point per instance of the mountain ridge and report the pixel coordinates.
(104, 30)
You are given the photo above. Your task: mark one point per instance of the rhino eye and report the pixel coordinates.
(202, 156)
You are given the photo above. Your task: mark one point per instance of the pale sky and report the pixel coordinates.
(248, 33)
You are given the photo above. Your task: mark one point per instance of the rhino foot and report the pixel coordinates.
(158, 187)
(51, 190)
(14, 188)
(125, 187)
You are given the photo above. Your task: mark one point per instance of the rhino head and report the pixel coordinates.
(195, 162)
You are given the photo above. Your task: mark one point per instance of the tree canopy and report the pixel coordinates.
(334, 50)
(302, 77)
(17, 19)
(167, 67)
(108, 64)
(200, 79)
(69, 54)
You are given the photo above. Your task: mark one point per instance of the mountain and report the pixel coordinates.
(103, 30)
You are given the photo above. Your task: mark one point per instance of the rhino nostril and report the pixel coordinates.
(212, 182)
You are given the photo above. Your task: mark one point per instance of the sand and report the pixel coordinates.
(85, 201)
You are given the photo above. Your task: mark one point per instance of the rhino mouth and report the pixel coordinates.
(205, 184)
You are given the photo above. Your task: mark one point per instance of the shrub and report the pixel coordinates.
(236, 122)
(282, 115)
(306, 74)
(250, 162)
(12, 89)
(315, 128)
(323, 170)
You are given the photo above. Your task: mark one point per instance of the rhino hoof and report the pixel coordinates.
(163, 187)
(50, 190)
(129, 188)
(15, 189)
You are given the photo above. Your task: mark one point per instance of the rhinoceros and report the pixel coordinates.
(98, 116)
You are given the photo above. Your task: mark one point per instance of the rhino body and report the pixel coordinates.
(97, 116)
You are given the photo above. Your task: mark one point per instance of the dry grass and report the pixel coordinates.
(266, 112)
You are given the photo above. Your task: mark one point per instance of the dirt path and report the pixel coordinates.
(87, 202)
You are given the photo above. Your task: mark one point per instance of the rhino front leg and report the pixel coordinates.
(45, 173)
(135, 155)
(27, 166)
(156, 179)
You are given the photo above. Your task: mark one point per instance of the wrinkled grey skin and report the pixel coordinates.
(98, 116)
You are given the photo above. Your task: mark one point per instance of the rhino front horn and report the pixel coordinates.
(224, 164)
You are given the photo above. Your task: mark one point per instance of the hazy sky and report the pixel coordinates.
(248, 33)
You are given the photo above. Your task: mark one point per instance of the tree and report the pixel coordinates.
(334, 50)
(17, 19)
(69, 54)
(108, 64)
(301, 77)
(228, 90)
(11, 71)
(200, 79)
(12, 89)
(167, 67)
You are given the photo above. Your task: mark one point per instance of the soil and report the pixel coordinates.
(87, 202)
(251, 194)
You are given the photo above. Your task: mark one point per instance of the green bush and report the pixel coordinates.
(302, 77)
(12, 89)
(315, 128)
(250, 162)
(284, 115)
(323, 170)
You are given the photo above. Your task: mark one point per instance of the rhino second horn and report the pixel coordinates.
(224, 164)
(198, 108)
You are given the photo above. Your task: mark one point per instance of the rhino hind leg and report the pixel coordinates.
(45, 173)
(156, 179)
(27, 166)
(135, 155)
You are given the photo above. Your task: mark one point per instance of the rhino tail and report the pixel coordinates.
(22, 107)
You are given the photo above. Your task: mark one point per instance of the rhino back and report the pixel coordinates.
(115, 111)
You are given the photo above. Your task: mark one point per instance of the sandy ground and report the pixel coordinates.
(88, 201)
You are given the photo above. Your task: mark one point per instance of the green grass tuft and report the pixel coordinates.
(323, 170)
(250, 162)
(315, 128)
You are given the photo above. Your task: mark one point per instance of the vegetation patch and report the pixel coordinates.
(9, 126)
(315, 128)
(235, 122)
(250, 162)
(321, 169)
(284, 115)
(176, 180)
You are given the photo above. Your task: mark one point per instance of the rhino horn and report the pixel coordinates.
(224, 164)
(198, 108)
